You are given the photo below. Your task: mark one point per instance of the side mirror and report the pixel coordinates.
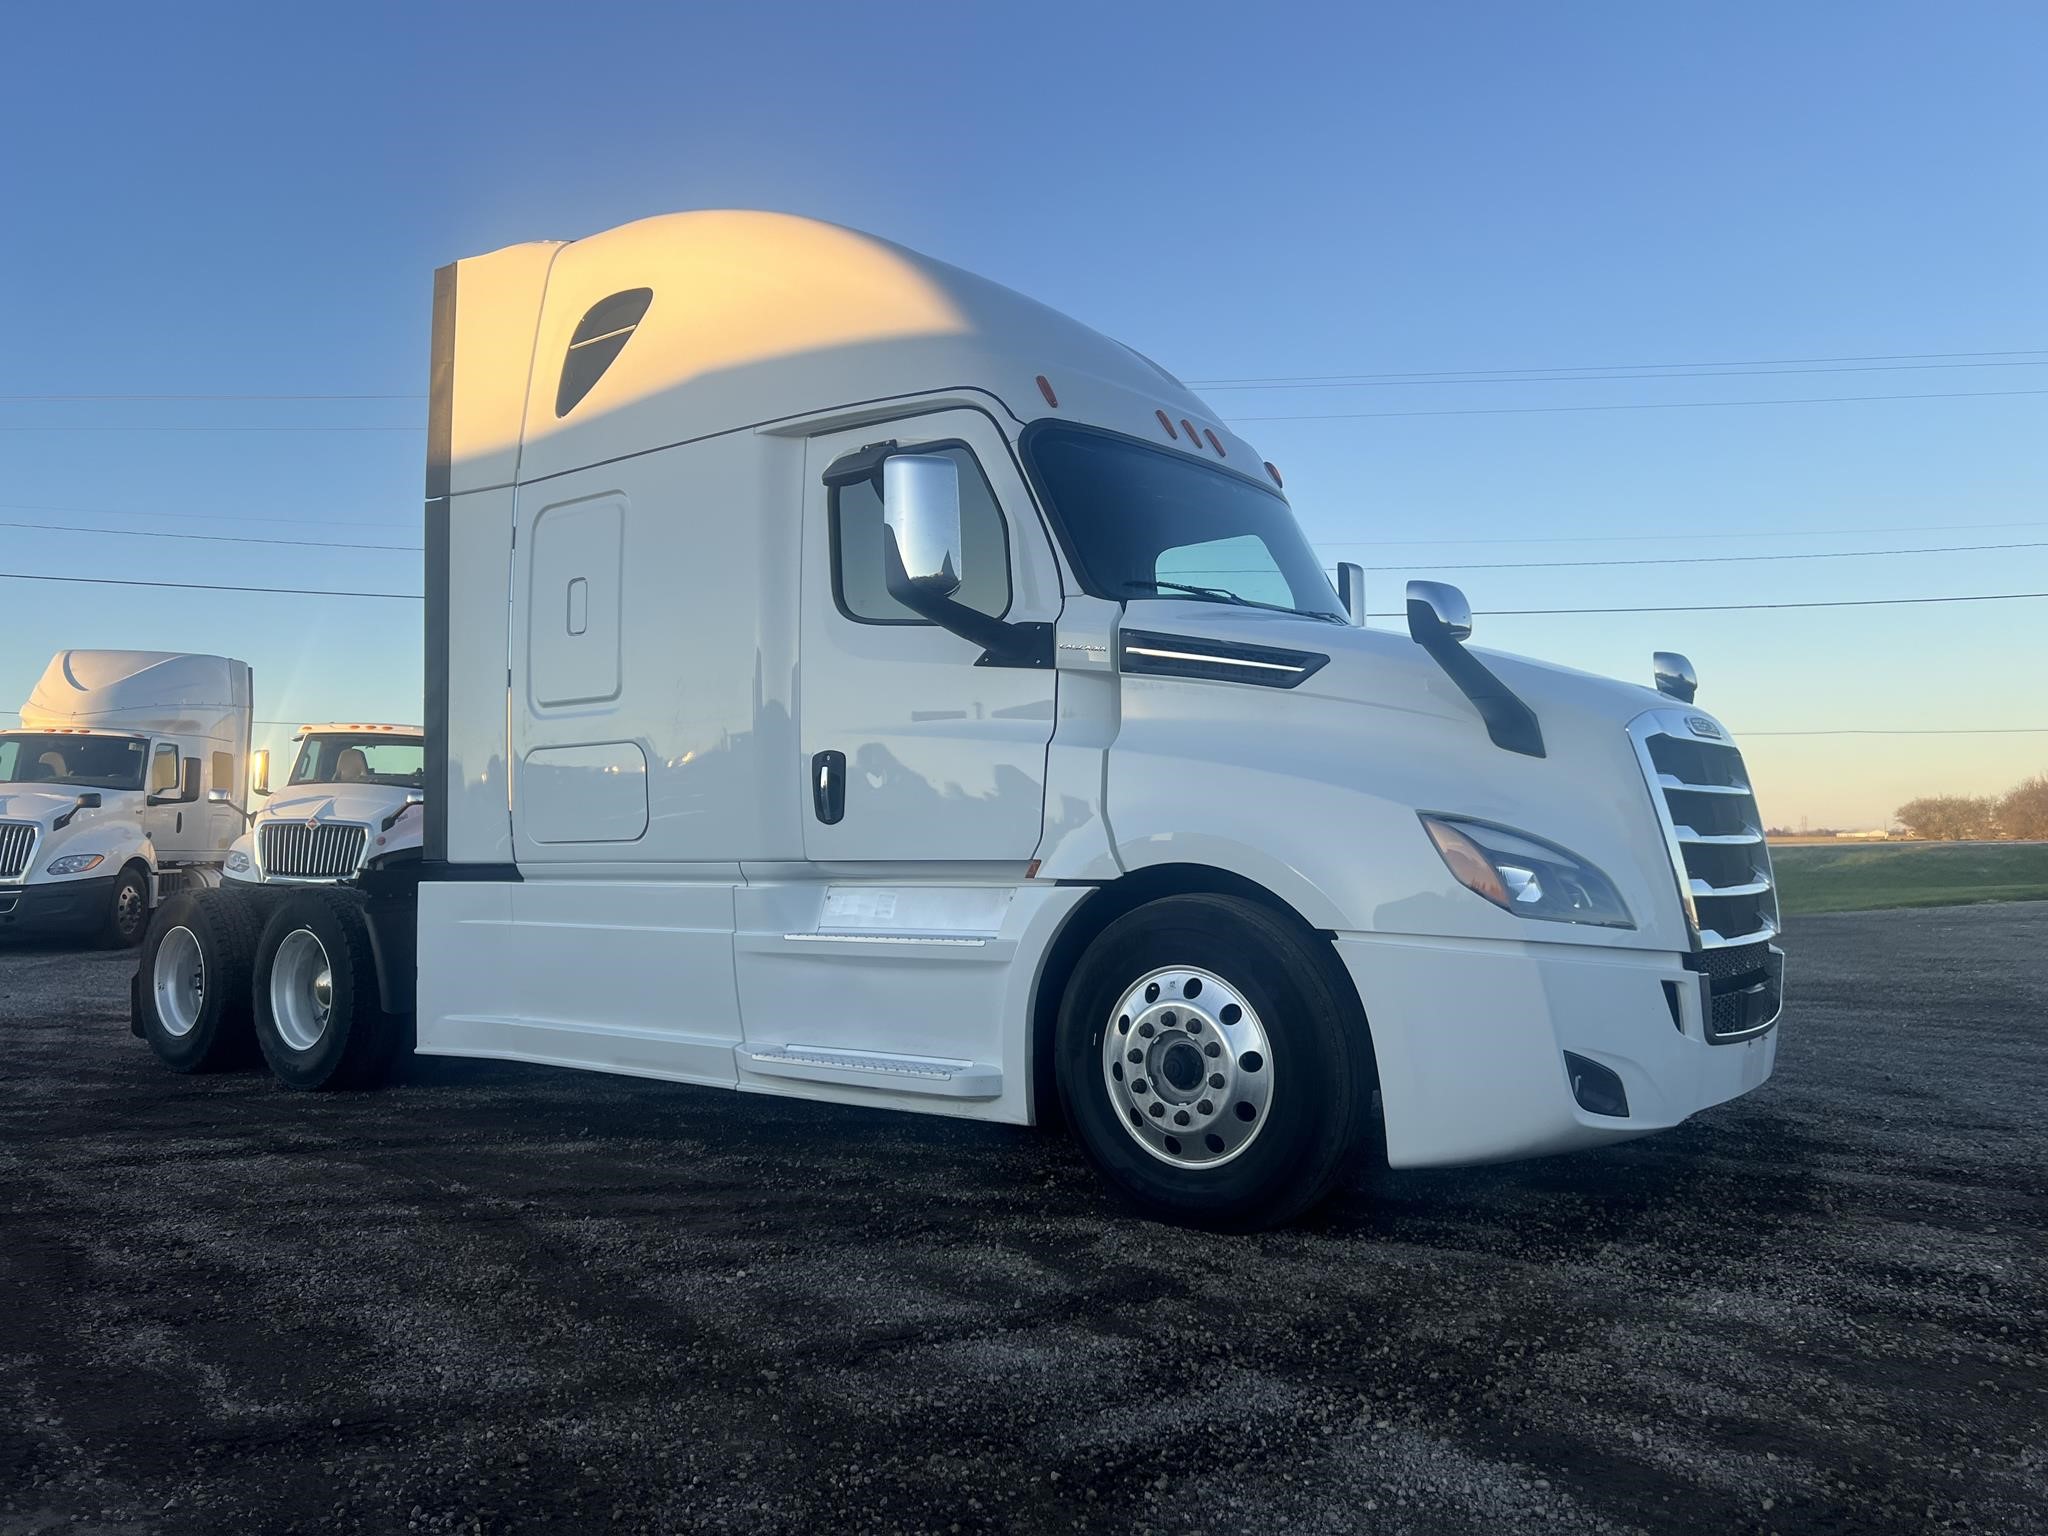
(1675, 677)
(1351, 591)
(1437, 612)
(216, 797)
(259, 772)
(921, 510)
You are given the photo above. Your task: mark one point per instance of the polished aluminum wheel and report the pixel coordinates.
(1188, 1067)
(179, 981)
(301, 989)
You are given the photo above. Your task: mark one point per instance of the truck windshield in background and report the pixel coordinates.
(92, 762)
(1150, 522)
(366, 759)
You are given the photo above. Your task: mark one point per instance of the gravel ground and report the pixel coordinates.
(506, 1299)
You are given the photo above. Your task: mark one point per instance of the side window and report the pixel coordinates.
(223, 772)
(858, 582)
(163, 769)
(601, 335)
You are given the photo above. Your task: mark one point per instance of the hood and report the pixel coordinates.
(20, 803)
(1383, 723)
(366, 803)
(1386, 669)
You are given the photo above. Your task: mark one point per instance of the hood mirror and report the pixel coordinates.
(1675, 677)
(216, 797)
(89, 801)
(1351, 591)
(1437, 612)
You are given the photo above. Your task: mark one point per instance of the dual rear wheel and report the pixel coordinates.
(220, 983)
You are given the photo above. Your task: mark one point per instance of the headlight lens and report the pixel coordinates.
(238, 861)
(1525, 875)
(75, 863)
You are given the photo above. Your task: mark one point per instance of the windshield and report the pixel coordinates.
(399, 761)
(1148, 522)
(92, 762)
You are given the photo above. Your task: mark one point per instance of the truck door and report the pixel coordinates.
(910, 752)
(174, 815)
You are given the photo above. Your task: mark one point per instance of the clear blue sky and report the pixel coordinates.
(227, 200)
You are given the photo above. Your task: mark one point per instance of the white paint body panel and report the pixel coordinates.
(644, 654)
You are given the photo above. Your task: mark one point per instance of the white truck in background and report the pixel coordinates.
(350, 803)
(850, 680)
(124, 784)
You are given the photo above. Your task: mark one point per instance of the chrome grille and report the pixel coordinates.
(1712, 827)
(327, 850)
(17, 842)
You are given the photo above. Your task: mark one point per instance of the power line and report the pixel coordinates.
(415, 597)
(1873, 730)
(1595, 378)
(227, 538)
(206, 586)
(1745, 362)
(1647, 538)
(1830, 554)
(1847, 602)
(74, 398)
(137, 427)
(1640, 405)
(203, 517)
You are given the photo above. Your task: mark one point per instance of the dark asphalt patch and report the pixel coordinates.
(496, 1298)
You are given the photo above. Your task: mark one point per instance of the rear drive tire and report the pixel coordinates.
(319, 1020)
(1211, 1065)
(192, 980)
(127, 919)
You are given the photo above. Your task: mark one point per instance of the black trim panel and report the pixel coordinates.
(437, 871)
(440, 428)
(1215, 661)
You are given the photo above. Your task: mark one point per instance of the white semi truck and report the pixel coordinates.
(124, 784)
(350, 803)
(848, 679)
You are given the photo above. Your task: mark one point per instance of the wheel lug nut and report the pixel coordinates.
(1138, 1085)
(1146, 1030)
(1212, 1049)
(1136, 1057)
(1206, 1107)
(1215, 1079)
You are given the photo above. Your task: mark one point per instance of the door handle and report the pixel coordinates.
(828, 786)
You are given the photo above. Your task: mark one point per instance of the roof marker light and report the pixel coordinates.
(1167, 422)
(1045, 389)
(1189, 428)
(1274, 470)
(1215, 442)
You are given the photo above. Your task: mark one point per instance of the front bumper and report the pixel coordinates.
(1471, 1037)
(61, 906)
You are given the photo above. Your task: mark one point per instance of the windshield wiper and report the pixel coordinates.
(1224, 595)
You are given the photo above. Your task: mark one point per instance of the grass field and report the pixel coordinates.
(1838, 879)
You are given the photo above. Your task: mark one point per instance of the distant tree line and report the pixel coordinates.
(2020, 814)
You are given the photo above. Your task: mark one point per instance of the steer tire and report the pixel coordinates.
(191, 989)
(317, 943)
(127, 920)
(1214, 1063)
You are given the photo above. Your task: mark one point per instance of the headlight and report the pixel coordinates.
(238, 861)
(75, 863)
(1525, 875)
